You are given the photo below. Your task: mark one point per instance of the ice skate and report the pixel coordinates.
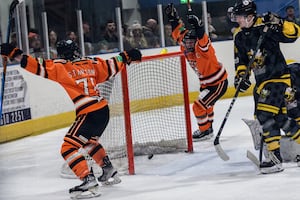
(109, 174)
(273, 165)
(201, 136)
(298, 160)
(88, 189)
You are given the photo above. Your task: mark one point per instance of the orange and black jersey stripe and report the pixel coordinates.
(79, 77)
(203, 60)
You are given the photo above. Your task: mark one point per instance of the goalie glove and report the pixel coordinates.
(131, 55)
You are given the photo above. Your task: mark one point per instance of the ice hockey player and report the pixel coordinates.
(271, 74)
(199, 52)
(78, 76)
(292, 94)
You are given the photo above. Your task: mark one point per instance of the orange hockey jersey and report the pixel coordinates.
(79, 77)
(203, 60)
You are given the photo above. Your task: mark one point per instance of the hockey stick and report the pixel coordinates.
(12, 7)
(217, 145)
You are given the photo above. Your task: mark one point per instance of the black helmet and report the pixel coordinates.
(189, 40)
(244, 7)
(67, 49)
(191, 34)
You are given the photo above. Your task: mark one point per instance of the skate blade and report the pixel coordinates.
(207, 137)
(112, 181)
(271, 171)
(91, 193)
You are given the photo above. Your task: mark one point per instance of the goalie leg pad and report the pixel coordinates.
(256, 131)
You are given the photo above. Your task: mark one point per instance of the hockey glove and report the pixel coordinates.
(196, 24)
(273, 21)
(194, 20)
(242, 83)
(10, 51)
(271, 18)
(171, 13)
(131, 55)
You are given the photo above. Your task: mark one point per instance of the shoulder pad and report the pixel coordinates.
(259, 22)
(290, 61)
(236, 31)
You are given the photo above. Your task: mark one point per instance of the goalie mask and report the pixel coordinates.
(68, 49)
(189, 40)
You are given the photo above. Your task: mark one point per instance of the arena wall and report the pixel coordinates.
(51, 108)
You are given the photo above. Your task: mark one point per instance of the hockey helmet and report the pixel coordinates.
(244, 7)
(68, 49)
(189, 40)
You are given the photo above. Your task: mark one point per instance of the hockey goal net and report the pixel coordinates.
(149, 110)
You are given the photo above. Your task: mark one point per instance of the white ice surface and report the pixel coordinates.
(29, 169)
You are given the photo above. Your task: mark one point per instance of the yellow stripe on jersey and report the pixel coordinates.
(268, 108)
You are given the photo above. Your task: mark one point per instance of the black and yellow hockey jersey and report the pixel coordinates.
(269, 64)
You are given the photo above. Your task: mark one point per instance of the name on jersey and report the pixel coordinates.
(80, 72)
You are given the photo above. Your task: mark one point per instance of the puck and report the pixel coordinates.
(150, 156)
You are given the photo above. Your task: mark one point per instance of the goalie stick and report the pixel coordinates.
(253, 158)
(222, 154)
(12, 7)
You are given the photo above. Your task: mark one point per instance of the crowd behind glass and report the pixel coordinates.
(142, 33)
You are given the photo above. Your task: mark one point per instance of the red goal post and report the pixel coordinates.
(149, 110)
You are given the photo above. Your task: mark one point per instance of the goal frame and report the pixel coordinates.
(126, 106)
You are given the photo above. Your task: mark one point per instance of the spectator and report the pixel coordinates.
(52, 44)
(211, 29)
(137, 38)
(290, 15)
(126, 36)
(150, 31)
(168, 36)
(87, 38)
(71, 35)
(86, 32)
(35, 45)
(110, 35)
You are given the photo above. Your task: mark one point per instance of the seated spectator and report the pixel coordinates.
(71, 35)
(35, 45)
(150, 31)
(110, 35)
(52, 44)
(211, 29)
(137, 38)
(169, 41)
(104, 47)
(290, 15)
(86, 32)
(88, 47)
